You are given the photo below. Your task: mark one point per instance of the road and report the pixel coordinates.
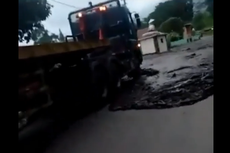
(179, 130)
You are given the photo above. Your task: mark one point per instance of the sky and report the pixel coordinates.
(58, 19)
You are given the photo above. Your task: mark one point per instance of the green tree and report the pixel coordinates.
(30, 15)
(37, 33)
(47, 38)
(144, 23)
(202, 20)
(172, 8)
(41, 36)
(209, 4)
(198, 22)
(61, 36)
(173, 24)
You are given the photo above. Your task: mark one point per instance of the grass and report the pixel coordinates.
(209, 33)
(206, 31)
(183, 41)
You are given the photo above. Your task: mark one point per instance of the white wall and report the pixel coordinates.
(147, 46)
(162, 46)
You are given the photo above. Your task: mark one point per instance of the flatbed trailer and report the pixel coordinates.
(28, 52)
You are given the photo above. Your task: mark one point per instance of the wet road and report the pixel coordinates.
(179, 130)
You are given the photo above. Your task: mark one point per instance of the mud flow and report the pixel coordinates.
(193, 87)
(170, 80)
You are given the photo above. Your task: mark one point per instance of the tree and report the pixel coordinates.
(209, 4)
(202, 20)
(173, 24)
(172, 8)
(144, 23)
(198, 22)
(46, 38)
(41, 36)
(30, 15)
(61, 37)
(37, 33)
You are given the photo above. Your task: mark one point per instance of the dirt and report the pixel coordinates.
(178, 78)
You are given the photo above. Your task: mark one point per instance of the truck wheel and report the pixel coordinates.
(115, 79)
(100, 81)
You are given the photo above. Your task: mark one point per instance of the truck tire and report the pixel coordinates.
(115, 75)
(106, 79)
(100, 81)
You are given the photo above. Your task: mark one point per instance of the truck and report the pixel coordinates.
(87, 68)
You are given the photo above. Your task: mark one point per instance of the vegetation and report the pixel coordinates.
(182, 9)
(173, 24)
(171, 15)
(209, 4)
(30, 15)
(41, 35)
(61, 36)
(202, 20)
(144, 23)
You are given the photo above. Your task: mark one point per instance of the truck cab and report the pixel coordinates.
(104, 21)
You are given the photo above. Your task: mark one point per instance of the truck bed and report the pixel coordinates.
(25, 52)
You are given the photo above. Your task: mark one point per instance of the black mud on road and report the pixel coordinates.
(186, 91)
(186, 78)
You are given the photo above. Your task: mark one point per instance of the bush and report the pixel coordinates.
(173, 24)
(174, 39)
(173, 36)
(202, 20)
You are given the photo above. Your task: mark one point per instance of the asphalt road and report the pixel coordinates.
(178, 130)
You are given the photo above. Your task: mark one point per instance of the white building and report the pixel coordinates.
(153, 42)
